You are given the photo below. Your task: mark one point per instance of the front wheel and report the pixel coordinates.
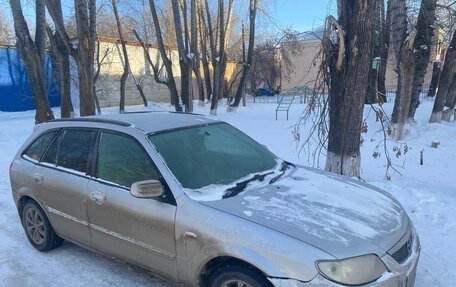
(237, 276)
(38, 228)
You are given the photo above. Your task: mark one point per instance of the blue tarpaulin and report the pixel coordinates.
(15, 92)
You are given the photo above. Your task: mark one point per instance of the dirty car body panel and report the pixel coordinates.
(287, 228)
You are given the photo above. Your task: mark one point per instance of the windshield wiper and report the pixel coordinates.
(283, 168)
(240, 186)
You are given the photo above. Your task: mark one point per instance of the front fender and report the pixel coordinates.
(204, 233)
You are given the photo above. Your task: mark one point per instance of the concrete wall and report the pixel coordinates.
(307, 65)
(108, 85)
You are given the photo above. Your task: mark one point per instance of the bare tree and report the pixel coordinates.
(450, 101)
(61, 62)
(185, 57)
(348, 62)
(195, 31)
(379, 48)
(126, 62)
(273, 60)
(99, 61)
(205, 37)
(107, 25)
(83, 53)
(246, 65)
(401, 44)
(6, 31)
(224, 32)
(446, 78)
(170, 82)
(436, 69)
(413, 52)
(384, 50)
(422, 47)
(32, 54)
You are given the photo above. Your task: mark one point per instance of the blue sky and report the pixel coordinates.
(302, 15)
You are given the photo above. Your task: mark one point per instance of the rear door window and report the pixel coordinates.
(71, 149)
(36, 149)
(123, 161)
(51, 154)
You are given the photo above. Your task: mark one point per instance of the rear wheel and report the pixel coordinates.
(38, 229)
(237, 276)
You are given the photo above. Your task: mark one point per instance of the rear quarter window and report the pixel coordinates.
(38, 147)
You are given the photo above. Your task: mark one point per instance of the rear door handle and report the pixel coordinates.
(38, 177)
(98, 197)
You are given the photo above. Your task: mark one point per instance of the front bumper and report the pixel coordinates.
(399, 275)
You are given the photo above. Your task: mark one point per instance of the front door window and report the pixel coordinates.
(123, 161)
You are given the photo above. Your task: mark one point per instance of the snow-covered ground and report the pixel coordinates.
(428, 193)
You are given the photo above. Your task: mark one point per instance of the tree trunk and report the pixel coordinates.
(214, 42)
(348, 85)
(67, 109)
(203, 44)
(67, 106)
(40, 30)
(215, 58)
(448, 70)
(384, 50)
(126, 68)
(378, 42)
(32, 55)
(450, 101)
(422, 51)
(240, 90)
(61, 63)
(404, 90)
(166, 61)
(218, 63)
(182, 45)
(398, 26)
(403, 46)
(85, 12)
(99, 62)
(436, 69)
(140, 90)
(224, 38)
(155, 70)
(86, 25)
(196, 41)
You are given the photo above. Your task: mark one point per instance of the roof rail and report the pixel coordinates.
(93, 120)
(185, 113)
(138, 112)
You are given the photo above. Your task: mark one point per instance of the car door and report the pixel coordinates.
(27, 168)
(62, 175)
(139, 230)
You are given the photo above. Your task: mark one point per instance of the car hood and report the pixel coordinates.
(338, 215)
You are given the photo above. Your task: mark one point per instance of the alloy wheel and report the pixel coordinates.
(235, 283)
(34, 224)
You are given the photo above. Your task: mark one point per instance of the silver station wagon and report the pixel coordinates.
(198, 202)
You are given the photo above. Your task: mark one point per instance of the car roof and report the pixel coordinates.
(148, 122)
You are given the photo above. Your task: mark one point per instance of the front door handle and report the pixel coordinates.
(98, 197)
(38, 177)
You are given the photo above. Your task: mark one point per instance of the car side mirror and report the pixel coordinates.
(147, 189)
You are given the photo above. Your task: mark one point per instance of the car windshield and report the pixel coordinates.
(216, 154)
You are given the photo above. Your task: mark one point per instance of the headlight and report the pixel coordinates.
(353, 271)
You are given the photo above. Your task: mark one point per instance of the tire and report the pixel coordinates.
(38, 228)
(237, 276)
